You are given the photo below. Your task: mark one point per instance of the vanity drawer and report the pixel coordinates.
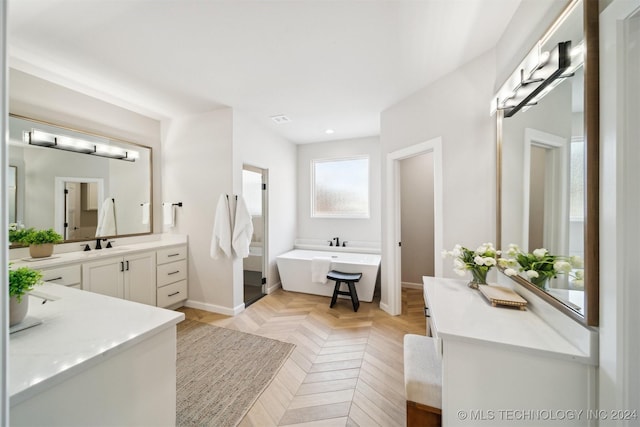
(172, 293)
(68, 275)
(172, 272)
(171, 254)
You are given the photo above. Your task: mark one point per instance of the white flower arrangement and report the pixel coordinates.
(540, 265)
(478, 262)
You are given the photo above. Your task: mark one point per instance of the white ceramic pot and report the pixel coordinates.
(41, 251)
(18, 310)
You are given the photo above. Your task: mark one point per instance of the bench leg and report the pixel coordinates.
(354, 296)
(334, 298)
(419, 415)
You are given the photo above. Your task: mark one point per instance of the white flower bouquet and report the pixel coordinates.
(478, 262)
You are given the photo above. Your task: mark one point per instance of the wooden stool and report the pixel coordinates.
(350, 280)
(422, 381)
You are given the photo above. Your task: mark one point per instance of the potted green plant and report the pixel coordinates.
(40, 241)
(21, 281)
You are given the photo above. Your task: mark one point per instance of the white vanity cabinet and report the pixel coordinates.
(131, 277)
(504, 366)
(68, 275)
(172, 276)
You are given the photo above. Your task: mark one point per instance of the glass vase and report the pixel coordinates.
(541, 281)
(478, 277)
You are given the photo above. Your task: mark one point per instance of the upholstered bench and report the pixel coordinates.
(422, 381)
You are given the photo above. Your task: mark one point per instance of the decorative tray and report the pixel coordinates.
(29, 259)
(499, 295)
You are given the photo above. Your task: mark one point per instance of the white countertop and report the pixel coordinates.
(461, 313)
(79, 330)
(121, 248)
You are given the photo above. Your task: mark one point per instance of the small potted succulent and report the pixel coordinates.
(40, 241)
(21, 281)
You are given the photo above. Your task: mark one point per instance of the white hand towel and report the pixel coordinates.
(242, 229)
(221, 238)
(107, 220)
(146, 213)
(320, 267)
(168, 214)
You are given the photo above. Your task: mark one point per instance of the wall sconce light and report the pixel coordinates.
(533, 79)
(44, 139)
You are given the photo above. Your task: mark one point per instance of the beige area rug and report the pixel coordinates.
(221, 372)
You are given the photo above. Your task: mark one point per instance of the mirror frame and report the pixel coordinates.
(592, 178)
(96, 135)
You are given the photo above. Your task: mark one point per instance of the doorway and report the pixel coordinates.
(392, 241)
(76, 206)
(416, 219)
(254, 190)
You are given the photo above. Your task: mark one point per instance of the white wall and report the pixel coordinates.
(357, 229)
(197, 169)
(202, 158)
(39, 99)
(257, 146)
(417, 218)
(455, 108)
(618, 379)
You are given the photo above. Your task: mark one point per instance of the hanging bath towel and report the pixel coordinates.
(221, 238)
(146, 213)
(168, 214)
(242, 229)
(107, 220)
(320, 267)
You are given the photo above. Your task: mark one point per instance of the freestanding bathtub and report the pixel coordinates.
(295, 271)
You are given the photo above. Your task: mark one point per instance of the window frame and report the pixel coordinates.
(313, 164)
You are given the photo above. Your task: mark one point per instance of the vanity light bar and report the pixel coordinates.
(44, 139)
(530, 86)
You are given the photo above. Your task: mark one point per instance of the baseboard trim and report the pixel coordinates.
(412, 285)
(273, 288)
(214, 308)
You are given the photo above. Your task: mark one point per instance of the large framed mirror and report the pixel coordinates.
(548, 161)
(80, 184)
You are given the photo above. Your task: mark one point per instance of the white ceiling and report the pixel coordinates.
(324, 63)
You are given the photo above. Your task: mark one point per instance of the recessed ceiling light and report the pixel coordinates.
(280, 119)
(329, 131)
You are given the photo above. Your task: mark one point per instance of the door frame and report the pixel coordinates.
(619, 293)
(556, 234)
(59, 199)
(392, 279)
(264, 172)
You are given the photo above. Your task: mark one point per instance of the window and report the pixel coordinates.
(340, 188)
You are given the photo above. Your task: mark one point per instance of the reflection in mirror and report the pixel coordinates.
(79, 195)
(543, 172)
(12, 192)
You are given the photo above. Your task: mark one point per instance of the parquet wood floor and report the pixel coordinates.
(346, 369)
